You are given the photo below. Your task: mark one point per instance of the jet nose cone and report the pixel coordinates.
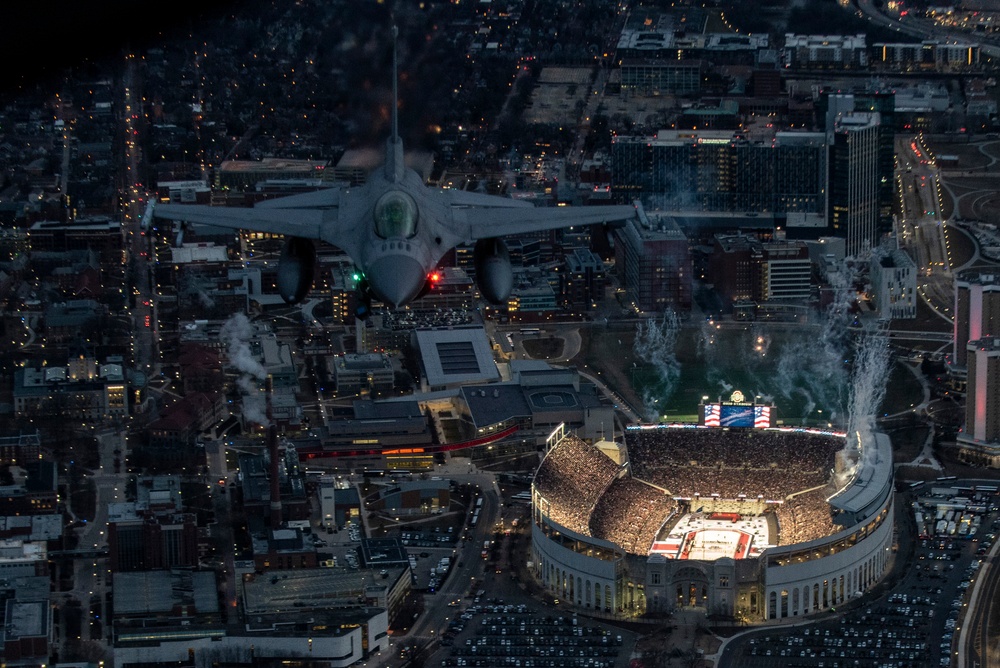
(396, 279)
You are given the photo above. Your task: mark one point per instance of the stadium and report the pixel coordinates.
(746, 522)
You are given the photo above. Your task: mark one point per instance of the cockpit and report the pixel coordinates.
(395, 215)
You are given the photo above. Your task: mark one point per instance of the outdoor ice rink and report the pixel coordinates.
(711, 536)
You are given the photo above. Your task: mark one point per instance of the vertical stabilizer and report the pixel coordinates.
(395, 83)
(394, 146)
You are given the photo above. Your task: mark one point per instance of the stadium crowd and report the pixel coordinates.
(729, 483)
(805, 517)
(571, 479)
(729, 463)
(580, 485)
(629, 514)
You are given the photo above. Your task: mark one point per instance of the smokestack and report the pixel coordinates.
(272, 447)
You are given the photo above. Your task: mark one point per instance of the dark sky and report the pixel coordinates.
(39, 39)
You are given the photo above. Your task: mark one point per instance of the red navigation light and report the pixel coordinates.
(435, 277)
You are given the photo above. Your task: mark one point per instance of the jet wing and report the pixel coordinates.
(305, 223)
(324, 198)
(485, 223)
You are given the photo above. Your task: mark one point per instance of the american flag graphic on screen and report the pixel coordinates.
(712, 415)
(761, 417)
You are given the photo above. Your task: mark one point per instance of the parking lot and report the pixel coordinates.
(431, 538)
(915, 625)
(514, 636)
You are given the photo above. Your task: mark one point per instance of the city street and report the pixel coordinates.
(921, 228)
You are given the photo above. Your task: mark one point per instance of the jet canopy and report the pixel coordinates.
(395, 215)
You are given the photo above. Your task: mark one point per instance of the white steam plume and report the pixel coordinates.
(236, 333)
(868, 380)
(654, 343)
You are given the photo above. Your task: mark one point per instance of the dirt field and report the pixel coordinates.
(594, 356)
(543, 349)
(907, 443)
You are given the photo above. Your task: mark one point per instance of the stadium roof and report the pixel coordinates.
(873, 481)
(456, 356)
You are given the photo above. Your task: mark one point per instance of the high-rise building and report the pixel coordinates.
(151, 542)
(854, 180)
(977, 311)
(743, 268)
(830, 105)
(582, 282)
(653, 259)
(658, 76)
(724, 171)
(982, 402)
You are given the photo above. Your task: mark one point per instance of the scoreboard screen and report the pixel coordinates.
(736, 416)
(762, 416)
(742, 415)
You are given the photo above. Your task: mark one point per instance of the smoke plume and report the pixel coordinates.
(868, 380)
(236, 334)
(654, 344)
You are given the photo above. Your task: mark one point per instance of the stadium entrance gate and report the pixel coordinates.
(691, 586)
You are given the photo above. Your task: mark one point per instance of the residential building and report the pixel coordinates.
(661, 76)
(178, 425)
(982, 401)
(894, 285)
(583, 280)
(832, 105)
(928, 55)
(138, 541)
(977, 311)
(743, 268)
(725, 171)
(834, 52)
(356, 373)
(20, 450)
(34, 493)
(653, 260)
(83, 389)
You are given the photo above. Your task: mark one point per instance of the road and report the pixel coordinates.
(138, 258)
(470, 566)
(977, 648)
(91, 575)
(913, 25)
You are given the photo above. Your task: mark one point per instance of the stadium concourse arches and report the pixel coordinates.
(691, 552)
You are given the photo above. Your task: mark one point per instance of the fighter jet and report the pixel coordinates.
(394, 228)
